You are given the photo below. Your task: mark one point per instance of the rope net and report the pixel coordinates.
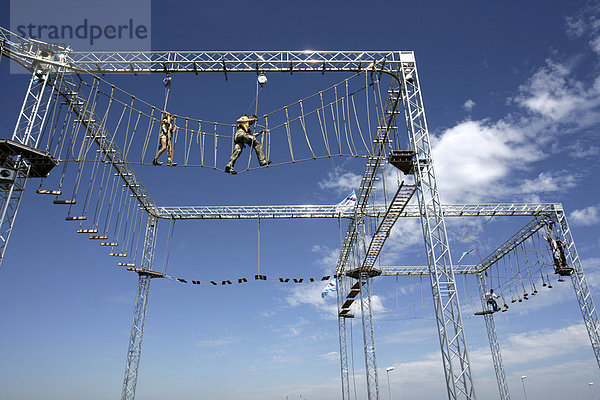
(93, 125)
(332, 122)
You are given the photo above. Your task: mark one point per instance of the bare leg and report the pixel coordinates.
(170, 156)
(163, 143)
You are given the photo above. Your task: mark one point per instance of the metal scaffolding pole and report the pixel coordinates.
(145, 274)
(453, 344)
(368, 336)
(582, 290)
(15, 168)
(341, 287)
(493, 339)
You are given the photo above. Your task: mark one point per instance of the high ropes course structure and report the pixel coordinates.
(89, 134)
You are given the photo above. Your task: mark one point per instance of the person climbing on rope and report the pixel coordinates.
(558, 250)
(245, 136)
(167, 130)
(491, 297)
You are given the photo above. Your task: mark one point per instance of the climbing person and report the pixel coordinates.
(491, 297)
(167, 130)
(245, 136)
(558, 251)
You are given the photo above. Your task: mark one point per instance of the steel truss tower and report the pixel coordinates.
(15, 165)
(582, 290)
(404, 90)
(145, 274)
(493, 339)
(443, 285)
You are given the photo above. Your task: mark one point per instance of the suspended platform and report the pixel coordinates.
(564, 271)
(40, 162)
(147, 272)
(357, 273)
(48, 191)
(485, 312)
(403, 160)
(64, 201)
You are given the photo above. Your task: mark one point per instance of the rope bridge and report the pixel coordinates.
(336, 121)
(96, 129)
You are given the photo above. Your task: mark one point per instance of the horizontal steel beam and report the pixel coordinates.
(424, 270)
(521, 236)
(333, 211)
(238, 61)
(29, 52)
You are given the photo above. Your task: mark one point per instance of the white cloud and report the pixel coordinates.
(406, 233)
(331, 356)
(311, 295)
(547, 182)
(218, 342)
(586, 217)
(595, 44)
(469, 105)
(580, 150)
(340, 180)
(328, 258)
(474, 156)
(423, 378)
(533, 345)
(548, 93)
(554, 93)
(584, 22)
(484, 160)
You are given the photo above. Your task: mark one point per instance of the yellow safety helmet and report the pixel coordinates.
(245, 121)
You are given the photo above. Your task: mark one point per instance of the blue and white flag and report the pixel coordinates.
(464, 254)
(348, 202)
(331, 287)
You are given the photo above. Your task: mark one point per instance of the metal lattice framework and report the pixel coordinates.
(139, 316)
(28, 130)
(447, 309)
(52, 70)
(493, 339)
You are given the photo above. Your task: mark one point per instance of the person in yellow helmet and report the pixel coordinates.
(245, 136)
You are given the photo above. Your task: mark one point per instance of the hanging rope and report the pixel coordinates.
(111, 202)
(135, 244)
(187, 147)
(168, 250)
(323, 125)
(303, 123)
(167, 85)
(289, 136)
(258, 249)
(151, 121)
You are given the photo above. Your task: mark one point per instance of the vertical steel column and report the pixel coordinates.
(368, 336)
(493, 339)
(582, 290)
(341, 288)
(443, 285)
(348, 247)
(139, 315)
(28, 131)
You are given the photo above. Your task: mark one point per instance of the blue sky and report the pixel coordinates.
(512, 94)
